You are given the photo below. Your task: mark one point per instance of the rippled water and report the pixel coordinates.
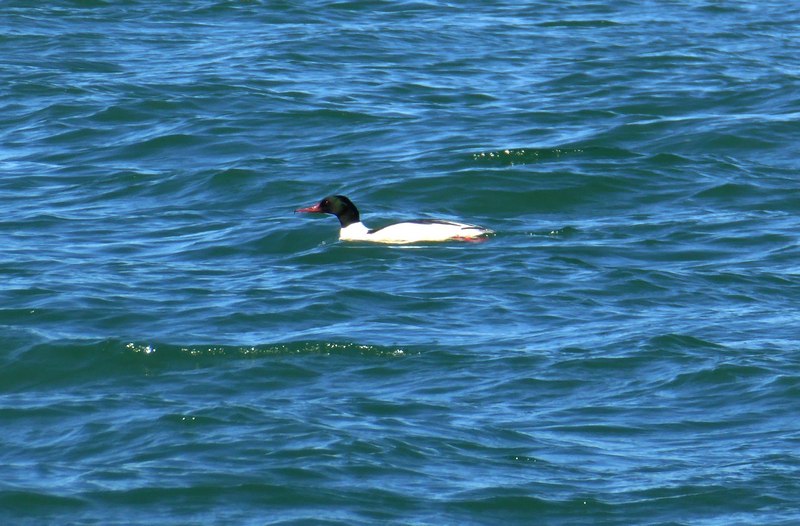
(179, 348)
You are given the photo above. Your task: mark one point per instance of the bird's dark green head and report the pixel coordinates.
(338, 205)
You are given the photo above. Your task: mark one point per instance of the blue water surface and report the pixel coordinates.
(178, 347)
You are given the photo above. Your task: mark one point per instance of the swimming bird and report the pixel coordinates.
(421, 230)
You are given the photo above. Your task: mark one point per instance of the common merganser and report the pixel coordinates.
(422, 230)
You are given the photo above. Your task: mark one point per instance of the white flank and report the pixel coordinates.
(411, 232)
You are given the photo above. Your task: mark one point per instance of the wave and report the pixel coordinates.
(70, 362)
(514, 156)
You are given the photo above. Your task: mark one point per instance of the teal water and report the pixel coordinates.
(177, 347)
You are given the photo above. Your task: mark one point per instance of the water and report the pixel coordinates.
(179, 348)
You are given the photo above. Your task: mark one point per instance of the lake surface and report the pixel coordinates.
(178, 347)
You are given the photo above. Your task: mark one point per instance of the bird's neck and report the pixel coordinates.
(348, 217)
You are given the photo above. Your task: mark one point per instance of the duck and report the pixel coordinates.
(417, 231)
